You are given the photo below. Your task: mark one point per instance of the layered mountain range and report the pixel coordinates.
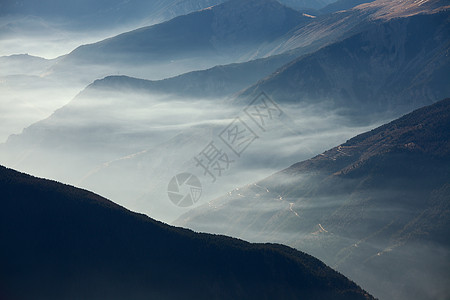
(378, 69)
(149, 100)
(230, 32)
(382, 65)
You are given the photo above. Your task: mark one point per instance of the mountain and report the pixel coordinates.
(65, 243)
(375, 207)
(158, 52)
(326, 28)
(229, 32)
(216, 82)
(379, 36)
(118, 124)
(21, 107)
(117, 121)
(234, 31)
(63, 79)
(23, 64)
(395, 65)
(62, 131)
(102, 14)
(115, 117)
(387, 10)
(54, 28)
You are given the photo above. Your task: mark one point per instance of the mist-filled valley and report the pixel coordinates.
(321, 125)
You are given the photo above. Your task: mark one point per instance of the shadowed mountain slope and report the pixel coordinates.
(60, 242)
(228, 32)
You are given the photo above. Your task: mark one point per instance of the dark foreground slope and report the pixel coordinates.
(377, 207)
(60, 242)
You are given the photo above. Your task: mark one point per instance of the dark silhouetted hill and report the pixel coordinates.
(60, 242)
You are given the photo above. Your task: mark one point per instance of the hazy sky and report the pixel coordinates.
(45, 39)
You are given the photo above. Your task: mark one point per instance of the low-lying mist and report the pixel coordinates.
(32, 88)
(128, 146)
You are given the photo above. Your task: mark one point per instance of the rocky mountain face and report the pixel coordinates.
(397, 65)
(66, 243)
(375, 207)
(383, 9)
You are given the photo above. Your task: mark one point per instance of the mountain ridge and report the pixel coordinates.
(214, 30)
(72, 237)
